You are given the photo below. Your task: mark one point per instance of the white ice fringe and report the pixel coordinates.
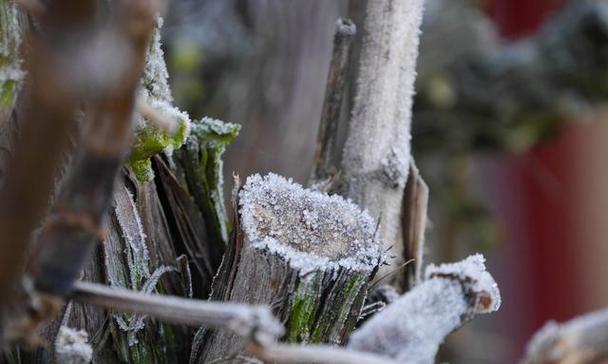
(72, 347)
(310, 229)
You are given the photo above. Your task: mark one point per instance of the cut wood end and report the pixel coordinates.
(479, 284)
(310, 229)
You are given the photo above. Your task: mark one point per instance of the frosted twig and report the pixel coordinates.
(322, 354)
(245, 320)
(579, 341)
(334, 92)
(151, 115)
(413, 327)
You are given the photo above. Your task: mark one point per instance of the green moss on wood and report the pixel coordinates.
(302, 318)
(336, 314)
(151, 140)
(203, 165)
(10, 70)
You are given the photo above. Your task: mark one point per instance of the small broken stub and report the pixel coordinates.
(478, 285)
(310, 229)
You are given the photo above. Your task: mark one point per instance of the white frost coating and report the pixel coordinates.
(377, 151)
(412, 328)
(136, 249)
(312, 230)
(472, 272)
(72, 347)
(156, 76)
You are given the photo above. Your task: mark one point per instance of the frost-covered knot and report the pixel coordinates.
(310, 229)
(395, 166)
(479, 286)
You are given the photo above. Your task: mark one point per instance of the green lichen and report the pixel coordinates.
(202, 159)
(151, 140)
(310, 321)
(8, 91)
(10, 64)
(302, 318)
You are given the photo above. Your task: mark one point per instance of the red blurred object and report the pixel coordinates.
(517, 18)
(536, 196)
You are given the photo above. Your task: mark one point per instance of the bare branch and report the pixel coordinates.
(245, 320)
(46, 118)
(413, 327)
(76, 222)
(322, 354)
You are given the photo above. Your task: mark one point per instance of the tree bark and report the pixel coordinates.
(376, 156)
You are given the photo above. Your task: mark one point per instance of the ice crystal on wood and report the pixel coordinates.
(311, 229)
(72, 347)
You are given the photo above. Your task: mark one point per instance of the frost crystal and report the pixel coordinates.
(412, 328)
(310, 229)
(71, 346)
(156, 76)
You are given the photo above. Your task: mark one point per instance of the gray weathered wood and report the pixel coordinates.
(415, 201)
(325, 165)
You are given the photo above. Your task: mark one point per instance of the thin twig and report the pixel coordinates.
(156, 118)
(322, 354)
(334, 92)
(245, 320)
(45, 120)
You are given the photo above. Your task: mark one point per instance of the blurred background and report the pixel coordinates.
(508, 132)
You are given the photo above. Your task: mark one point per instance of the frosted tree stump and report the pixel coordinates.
(296, 250)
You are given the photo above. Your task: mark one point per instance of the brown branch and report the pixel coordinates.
(324, 165)
(76, 222)
(322, 354)
(46, 116)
